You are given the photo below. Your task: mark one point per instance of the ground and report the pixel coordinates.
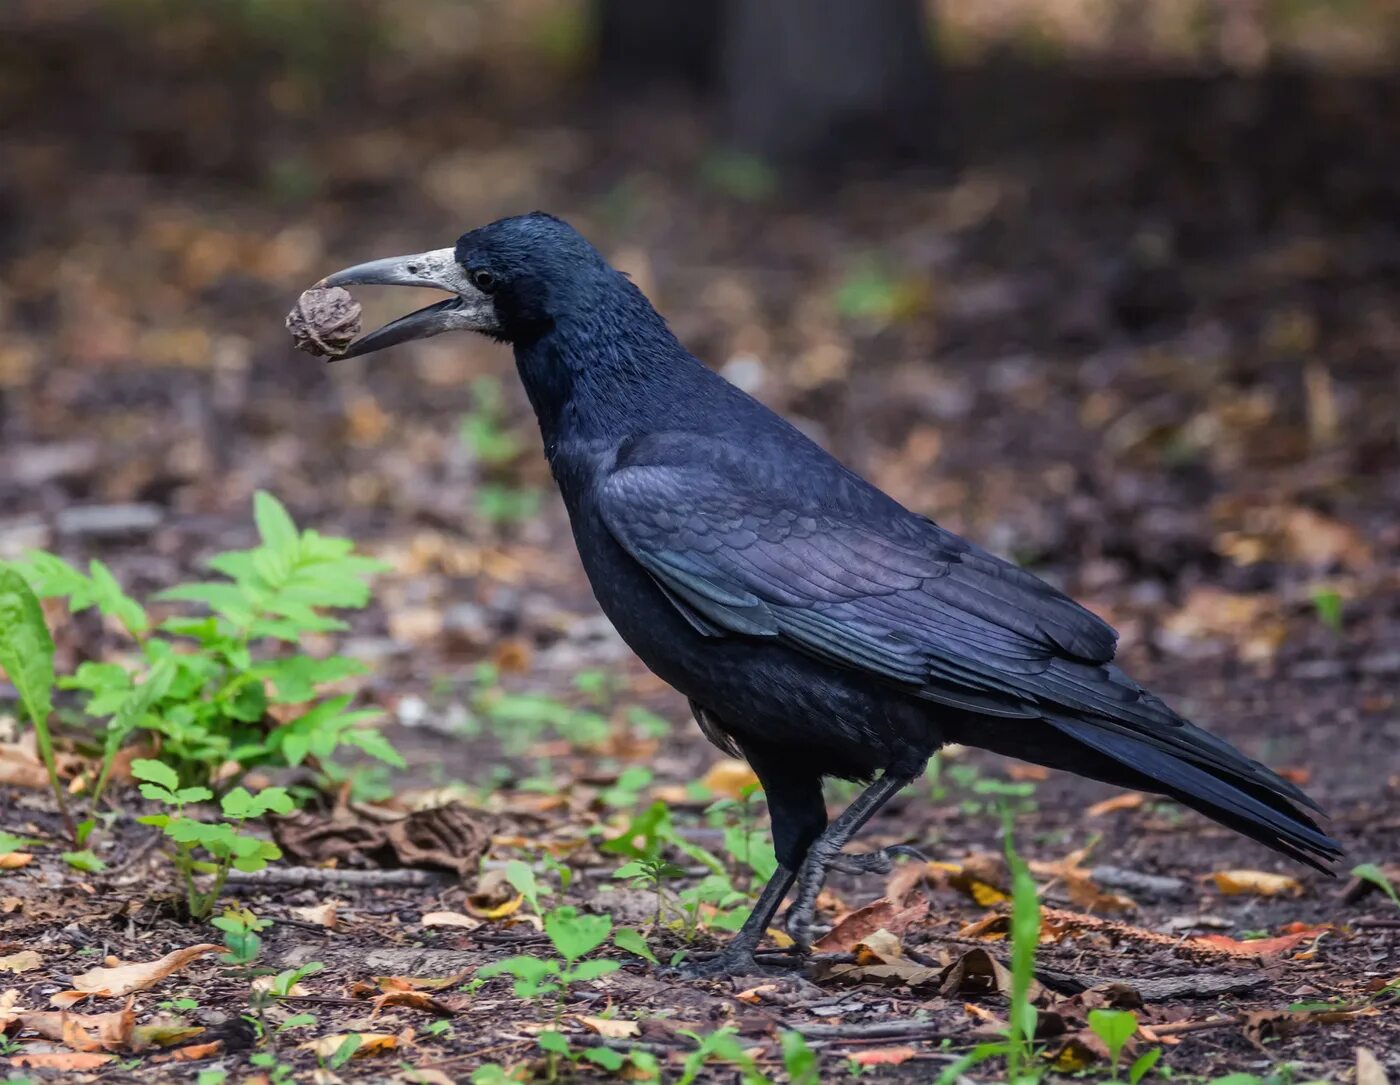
(1140, 337)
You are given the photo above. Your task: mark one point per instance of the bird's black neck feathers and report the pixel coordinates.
(606, 366)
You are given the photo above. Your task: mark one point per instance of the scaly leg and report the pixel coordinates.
(826, 852)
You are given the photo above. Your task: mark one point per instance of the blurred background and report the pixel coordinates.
(1111, 286)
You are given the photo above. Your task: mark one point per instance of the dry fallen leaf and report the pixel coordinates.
(882, 914)
(754, 995)
(192, 1053)
(413, 1000)
(371, 1043)
(610, 1028)
(977, 972)
(1260, 947)
(26, 960)
(1369, 1070)
(123, 979)
(729, 777)
(13, 860)
(1129, 800)
(419, 983)
(1079, 1052)
(323, 915)
(61, 1060)
(84, 1031)
(20, 765)
(499, 911)
(450, 919)
(883, 1056)
(1256, 882)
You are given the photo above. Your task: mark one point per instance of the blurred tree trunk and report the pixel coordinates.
(791, 79)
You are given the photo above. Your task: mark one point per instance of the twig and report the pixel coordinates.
(1378, 924)
(303, 877)
(877, 1030)
(1183, 1027)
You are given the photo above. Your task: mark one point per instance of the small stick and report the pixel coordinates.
(302, 877)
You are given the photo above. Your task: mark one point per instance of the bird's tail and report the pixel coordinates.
(1121, 734)
(1240, 794)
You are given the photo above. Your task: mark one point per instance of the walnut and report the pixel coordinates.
(324, 322)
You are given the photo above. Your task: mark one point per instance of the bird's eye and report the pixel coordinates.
(483, 279)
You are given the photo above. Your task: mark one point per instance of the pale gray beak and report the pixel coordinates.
(469, 310)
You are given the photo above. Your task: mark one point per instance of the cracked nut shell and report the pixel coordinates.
(324, 321)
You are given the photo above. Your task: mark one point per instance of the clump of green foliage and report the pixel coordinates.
(208, 691)
(203, 686)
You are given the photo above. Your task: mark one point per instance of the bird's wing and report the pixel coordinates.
(881, 591)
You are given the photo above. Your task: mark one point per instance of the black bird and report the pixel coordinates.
(818, 627)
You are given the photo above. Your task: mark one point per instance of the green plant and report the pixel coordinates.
(241, 927)
(1327, 602)
(1115, 1028)
(573, 936)
(26, 655)
(1367, 872)
(226, 847)
(557, 1046)
(650, 872)
(720, 1046)
(627, 788)
(276, 1071)
(1025, 936)
(209, 706)
(802, 1064)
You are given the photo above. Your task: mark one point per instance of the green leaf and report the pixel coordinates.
(9, 843)
(83, 860)
(1369, 872)
(26, 648)
(1115, 1028)
(605, 1057)
(275, 526)
(532, 969)
(374, 744)
(115, 603)
(346, 1051)
(157, 772)
(633, 942)
(799, 1060)
(1142, 1066)
(133, 710)
(156, 793)
(590, 970)
(554, 1041)
(522, 878)
(574, 935)
(225, 600)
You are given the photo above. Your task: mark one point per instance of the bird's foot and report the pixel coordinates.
(875, 862)
(732, 961)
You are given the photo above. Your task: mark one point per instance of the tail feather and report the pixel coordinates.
(1238, 793)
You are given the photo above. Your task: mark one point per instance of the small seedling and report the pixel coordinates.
(802, 1064)
(228, 848)
(1115, 1028)
(574, 936)
(241, 927)
(1367, 872)
(720, 1046)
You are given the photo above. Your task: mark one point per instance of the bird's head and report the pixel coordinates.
(510, 280)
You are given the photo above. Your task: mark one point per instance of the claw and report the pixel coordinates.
(875, 862)
(733, 961)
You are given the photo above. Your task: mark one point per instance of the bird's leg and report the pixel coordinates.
(826, 850)
(875, 862)
(736, 959)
